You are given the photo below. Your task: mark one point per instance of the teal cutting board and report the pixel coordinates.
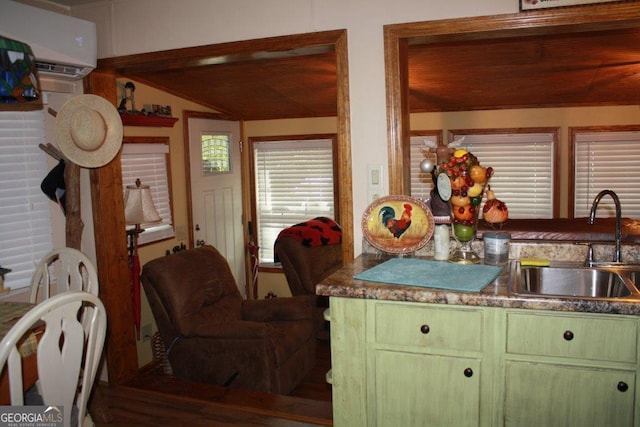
(432, 274)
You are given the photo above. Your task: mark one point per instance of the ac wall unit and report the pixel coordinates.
(64, 46)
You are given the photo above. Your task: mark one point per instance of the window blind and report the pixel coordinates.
(607, 160)
(523, 169)
(294, 183)
(421, 183)
(148, 162)
(25, 229)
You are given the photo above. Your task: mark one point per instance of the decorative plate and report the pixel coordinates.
(398, 224)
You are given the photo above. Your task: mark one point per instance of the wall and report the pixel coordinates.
(138, 26)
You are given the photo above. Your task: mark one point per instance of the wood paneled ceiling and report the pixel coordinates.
(277, 81)
(287, 77)
(577, 69)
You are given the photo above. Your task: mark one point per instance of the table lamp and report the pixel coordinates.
(138, 209)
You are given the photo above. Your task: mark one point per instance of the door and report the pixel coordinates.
(541, 394)
(216, 190)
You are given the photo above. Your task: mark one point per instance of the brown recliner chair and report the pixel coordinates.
(212, 335)
(305, 264)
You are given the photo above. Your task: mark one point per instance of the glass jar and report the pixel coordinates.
(496, 247)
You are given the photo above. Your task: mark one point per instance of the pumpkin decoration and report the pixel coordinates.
(494, 211)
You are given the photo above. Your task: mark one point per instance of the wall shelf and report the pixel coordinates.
(150, 121)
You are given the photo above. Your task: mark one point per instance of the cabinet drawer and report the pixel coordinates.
(576, 336)
(428, 326)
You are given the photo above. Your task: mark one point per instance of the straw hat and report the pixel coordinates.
(89, 131)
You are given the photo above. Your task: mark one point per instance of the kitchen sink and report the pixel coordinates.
(606, 281)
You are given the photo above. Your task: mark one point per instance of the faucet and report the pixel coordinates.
(618, 235)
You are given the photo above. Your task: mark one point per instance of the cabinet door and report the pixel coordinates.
(538, 394)
(425, 390)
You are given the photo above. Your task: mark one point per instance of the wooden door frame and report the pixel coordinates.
(397, 38)
(108, 211)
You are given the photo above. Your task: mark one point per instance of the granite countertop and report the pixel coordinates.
(496, 294)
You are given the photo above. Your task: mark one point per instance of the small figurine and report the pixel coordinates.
(127, 95)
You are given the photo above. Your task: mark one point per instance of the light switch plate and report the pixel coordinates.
(374, 177)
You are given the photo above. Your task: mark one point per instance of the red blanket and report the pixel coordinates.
(320, 231)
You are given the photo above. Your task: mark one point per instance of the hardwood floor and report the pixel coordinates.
(152, 400)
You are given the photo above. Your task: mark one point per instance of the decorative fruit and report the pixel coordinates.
(459, 153)
(458, 183)
(460, 201)
(475, 201)
(478, 174)
(464, 233)
(464, 213)
(494, 210)
(475, 190)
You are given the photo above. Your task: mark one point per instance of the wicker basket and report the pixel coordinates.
(160, 355)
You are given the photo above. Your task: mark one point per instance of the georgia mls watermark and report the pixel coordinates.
(31, 416)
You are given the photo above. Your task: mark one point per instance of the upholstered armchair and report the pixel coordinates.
(212, 335)
(309, 252)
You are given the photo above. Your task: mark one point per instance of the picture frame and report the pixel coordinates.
(547, 4)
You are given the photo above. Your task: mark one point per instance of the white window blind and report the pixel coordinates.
(607, 160)
(421, 182)
(148, 162)
(25, 210)
(294, 183)
(523, 169)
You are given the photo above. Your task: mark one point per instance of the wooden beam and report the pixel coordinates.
(111, 257)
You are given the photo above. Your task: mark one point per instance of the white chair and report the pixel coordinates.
(68, 355)
(68, 269)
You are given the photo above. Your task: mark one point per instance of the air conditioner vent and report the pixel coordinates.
(59, 69)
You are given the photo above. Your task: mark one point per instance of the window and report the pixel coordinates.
(421, 142)
(216, 154)
(147, 159)
(25, 229)
(605, 159)
(293, 182)
(523, 164)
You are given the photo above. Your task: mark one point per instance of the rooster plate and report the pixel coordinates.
(398, 224)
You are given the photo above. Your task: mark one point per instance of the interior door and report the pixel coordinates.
(216, 191)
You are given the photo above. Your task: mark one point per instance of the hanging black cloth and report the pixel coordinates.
(53, 185)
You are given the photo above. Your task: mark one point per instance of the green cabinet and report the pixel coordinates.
(565, 369)
(422, 364)
(547, 394)
(412, 389)
(411, 364)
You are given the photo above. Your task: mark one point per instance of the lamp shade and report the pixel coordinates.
(18, 73)
(138, 205)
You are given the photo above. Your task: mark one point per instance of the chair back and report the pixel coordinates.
(68, 269)
(309, 252)
(189, 287)
(68, 355)
(304, 267)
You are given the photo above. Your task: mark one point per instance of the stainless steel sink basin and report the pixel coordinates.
(602, 282)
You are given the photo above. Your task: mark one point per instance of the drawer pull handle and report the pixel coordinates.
(468, 372)
(622, 386)
(568, 335)
(424, 329)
